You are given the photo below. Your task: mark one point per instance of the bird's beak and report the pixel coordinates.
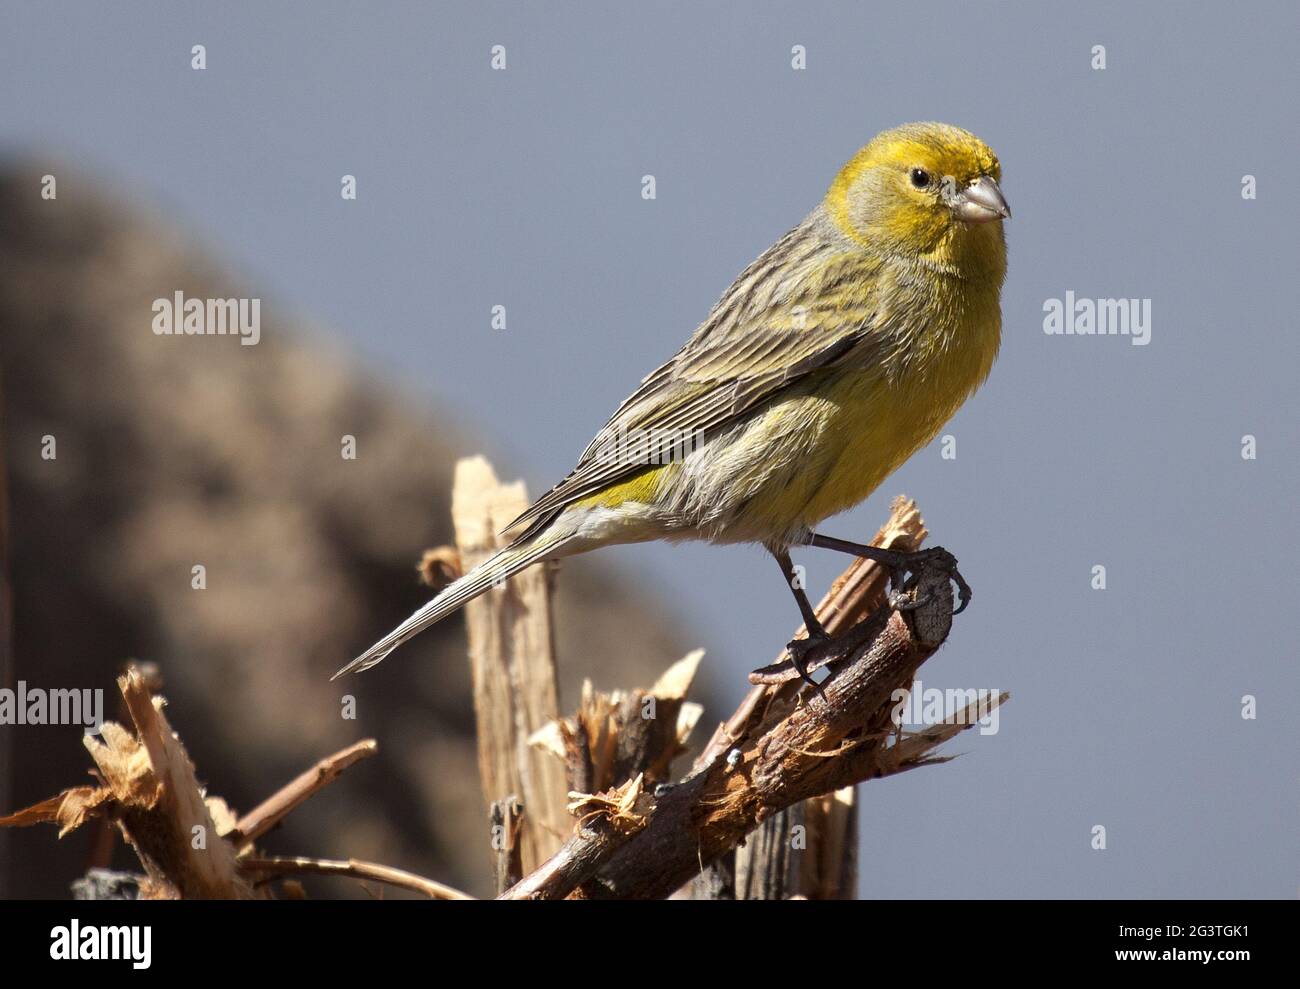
(981, 201)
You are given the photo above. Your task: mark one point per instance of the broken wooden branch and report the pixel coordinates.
(190, 844)
(831, 855)
(103, 832)
(505, 820)
(611, 736)
(767, 864)
(763, 869)
(150, 789)
(854, 595)
(808, 850)
(790, 753)
(270, 812)
(275, 867)
(617, 735)
(606, 822)
(512, 662)
(785, 744)
(788, 743)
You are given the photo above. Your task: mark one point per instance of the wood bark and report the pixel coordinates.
(512, 662)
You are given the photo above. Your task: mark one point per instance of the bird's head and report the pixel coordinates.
(924, 190)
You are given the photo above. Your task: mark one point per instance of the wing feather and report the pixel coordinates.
(748, 351)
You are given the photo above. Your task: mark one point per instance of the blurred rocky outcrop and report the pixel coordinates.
(181, 451)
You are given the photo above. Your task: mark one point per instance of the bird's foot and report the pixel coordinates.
(905, 569)
(900, 565)
(805, 652)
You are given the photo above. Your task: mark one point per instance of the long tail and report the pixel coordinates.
(496, 568)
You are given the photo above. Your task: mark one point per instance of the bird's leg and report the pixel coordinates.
(800, 649)
(810, 621)
(901, 564)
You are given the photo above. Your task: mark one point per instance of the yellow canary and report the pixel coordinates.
(831, 359)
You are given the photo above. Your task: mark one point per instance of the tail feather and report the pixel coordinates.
(496, 568)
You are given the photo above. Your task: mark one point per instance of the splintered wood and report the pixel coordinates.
(625, 826)
(614, 749)
(148, 786)
(191, 845)
(827, 866)
(789, 743)
(615, 736)
(512, 661)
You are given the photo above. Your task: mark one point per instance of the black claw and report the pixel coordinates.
(801, 649)
(911, 563)
(963, 592)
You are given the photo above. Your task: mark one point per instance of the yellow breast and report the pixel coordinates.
(884, 414)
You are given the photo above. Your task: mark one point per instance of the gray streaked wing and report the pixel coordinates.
(748, 351)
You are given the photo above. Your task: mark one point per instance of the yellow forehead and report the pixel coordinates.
(940, 149)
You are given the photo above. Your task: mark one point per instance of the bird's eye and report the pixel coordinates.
(920, 178)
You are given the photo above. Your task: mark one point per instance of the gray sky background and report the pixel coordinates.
(523, 188)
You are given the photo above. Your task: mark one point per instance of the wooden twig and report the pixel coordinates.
(505, 820)
(914, 748)
(512, 662)
(768, 864)
(271, 811)
(266, 869)
(807, 850)
(831, 857)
